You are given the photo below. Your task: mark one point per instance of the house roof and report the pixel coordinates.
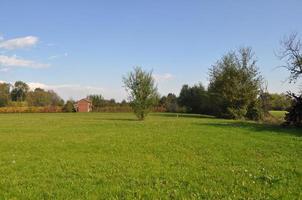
(85, 99)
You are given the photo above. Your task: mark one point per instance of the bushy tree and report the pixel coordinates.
(194, 99)
(235, 84)
(170, 103)
(142, 91)
(97, 100)
(294, 115)
(19, 92)
(55, 99)
(40, 97)
(280, 101)
(69, 106)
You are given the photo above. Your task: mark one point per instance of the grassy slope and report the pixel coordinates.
(95, 155)
(278, 114)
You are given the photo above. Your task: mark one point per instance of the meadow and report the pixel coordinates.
(168, 156)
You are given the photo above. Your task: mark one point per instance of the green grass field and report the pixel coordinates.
(278, 114)
(113, 156)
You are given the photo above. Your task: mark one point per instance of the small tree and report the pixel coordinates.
(69, 106)
(142, 91)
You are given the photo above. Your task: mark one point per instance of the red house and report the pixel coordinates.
(83, 105)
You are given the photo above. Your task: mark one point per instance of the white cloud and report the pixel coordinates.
(76, 92)
(67, 91)
(163, 77)
(19, 43)
(13, 61)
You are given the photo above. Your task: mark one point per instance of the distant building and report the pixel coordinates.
(83, 105)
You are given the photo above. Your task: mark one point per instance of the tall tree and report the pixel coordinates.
(142, 91)
(19, 91)
(97, 100)
(234, 84)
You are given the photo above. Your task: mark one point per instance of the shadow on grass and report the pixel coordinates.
(257, 127)
(181, 115)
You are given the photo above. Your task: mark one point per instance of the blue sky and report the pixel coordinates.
(81, 47)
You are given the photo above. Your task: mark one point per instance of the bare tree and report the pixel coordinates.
(291, 53)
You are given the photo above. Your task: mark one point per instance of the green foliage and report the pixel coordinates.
(69, 106)
(40, 98)
(19, 92)
(170, 103)
(294, 115)
(142, 91)
(234, 84)
(194, 99)
(255, 111)
(112, 156)
(280, 102)
(97, 100)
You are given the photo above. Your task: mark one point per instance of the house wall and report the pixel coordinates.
(83, 106)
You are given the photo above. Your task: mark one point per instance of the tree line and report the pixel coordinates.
(236, 89)
(19, 94)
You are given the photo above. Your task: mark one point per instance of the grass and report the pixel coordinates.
(278, 114)
(113, 156)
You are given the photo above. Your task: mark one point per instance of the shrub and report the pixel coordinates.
(294, 115)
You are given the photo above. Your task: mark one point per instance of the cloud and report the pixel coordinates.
(74, 91)
(19, 43)
(12, 61)
(77, 91)
(163, 77)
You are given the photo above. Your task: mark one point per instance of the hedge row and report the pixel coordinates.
(50, 109)
(55, 109)
(124, 109)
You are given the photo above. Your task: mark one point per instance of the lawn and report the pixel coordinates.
(278, 114)
(113, 156)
